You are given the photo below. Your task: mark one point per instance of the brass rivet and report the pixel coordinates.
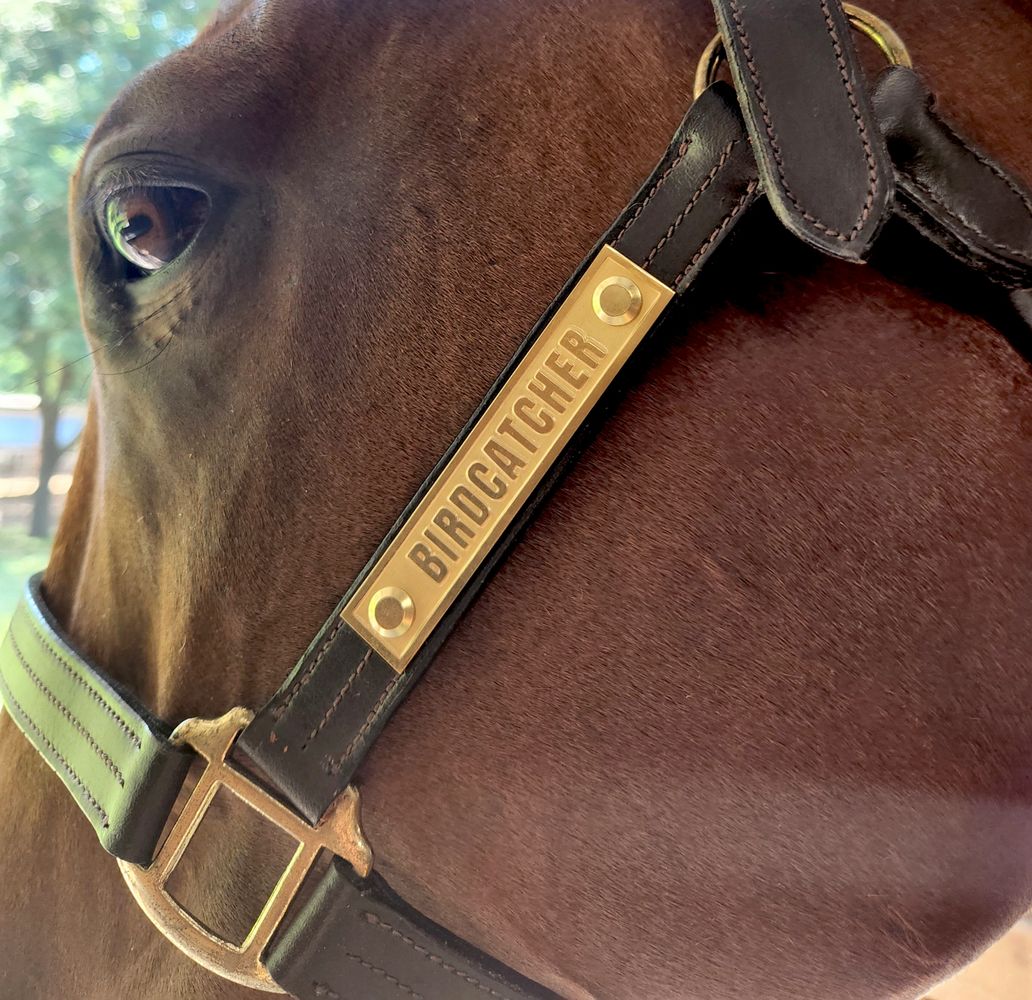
(617, 300)
(391, 612)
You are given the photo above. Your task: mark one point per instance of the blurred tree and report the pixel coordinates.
(61, 63)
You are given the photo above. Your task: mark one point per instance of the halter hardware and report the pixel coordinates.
(339, 832)
(512, 447)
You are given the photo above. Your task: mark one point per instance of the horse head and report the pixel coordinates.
(745, 712)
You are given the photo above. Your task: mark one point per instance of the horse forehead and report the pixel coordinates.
(315, 63)
(246, 66)
(269, 82)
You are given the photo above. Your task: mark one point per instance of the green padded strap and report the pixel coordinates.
(112, 755)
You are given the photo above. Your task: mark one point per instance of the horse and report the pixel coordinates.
(745, 713)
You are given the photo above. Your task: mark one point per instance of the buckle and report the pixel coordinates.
(339, 831)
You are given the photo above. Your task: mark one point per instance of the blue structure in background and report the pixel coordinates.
(22, 431)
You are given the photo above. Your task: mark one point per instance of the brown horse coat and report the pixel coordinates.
(746, 714)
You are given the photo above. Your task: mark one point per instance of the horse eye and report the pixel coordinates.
(151, 226)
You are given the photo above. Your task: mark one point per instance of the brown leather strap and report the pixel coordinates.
(821, 157)
(313, 735)
(951, 191)
(357, 938)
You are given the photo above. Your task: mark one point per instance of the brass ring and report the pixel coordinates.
(880, 32)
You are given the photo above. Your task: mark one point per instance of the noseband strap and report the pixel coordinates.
(353, 936)
(110, 752)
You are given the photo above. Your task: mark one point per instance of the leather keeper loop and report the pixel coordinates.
(821, 157)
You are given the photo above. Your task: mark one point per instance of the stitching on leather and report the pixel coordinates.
(333, 765)
(682, 151)
(693, 201)
(872, 163)
(93, 693)
(970, 226)
(372, 918)
(393, 980)
(338, 699)
(728, 219)
(306, 674)
(67, 713)
(994, 168)
(13, 702)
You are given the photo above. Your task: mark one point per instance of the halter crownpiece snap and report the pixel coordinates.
(338, 832)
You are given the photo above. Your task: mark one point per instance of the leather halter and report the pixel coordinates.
(833, 177)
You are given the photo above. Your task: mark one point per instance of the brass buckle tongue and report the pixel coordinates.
(339, 831)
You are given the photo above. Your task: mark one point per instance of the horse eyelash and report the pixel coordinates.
(120, 179)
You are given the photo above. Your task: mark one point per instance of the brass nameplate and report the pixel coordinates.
(505, 456)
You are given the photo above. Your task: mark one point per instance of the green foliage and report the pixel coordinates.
(20, 557)
(61, 64)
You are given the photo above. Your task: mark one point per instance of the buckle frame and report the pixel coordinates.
(339, 831)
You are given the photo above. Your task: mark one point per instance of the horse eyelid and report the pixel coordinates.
(123, 178)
